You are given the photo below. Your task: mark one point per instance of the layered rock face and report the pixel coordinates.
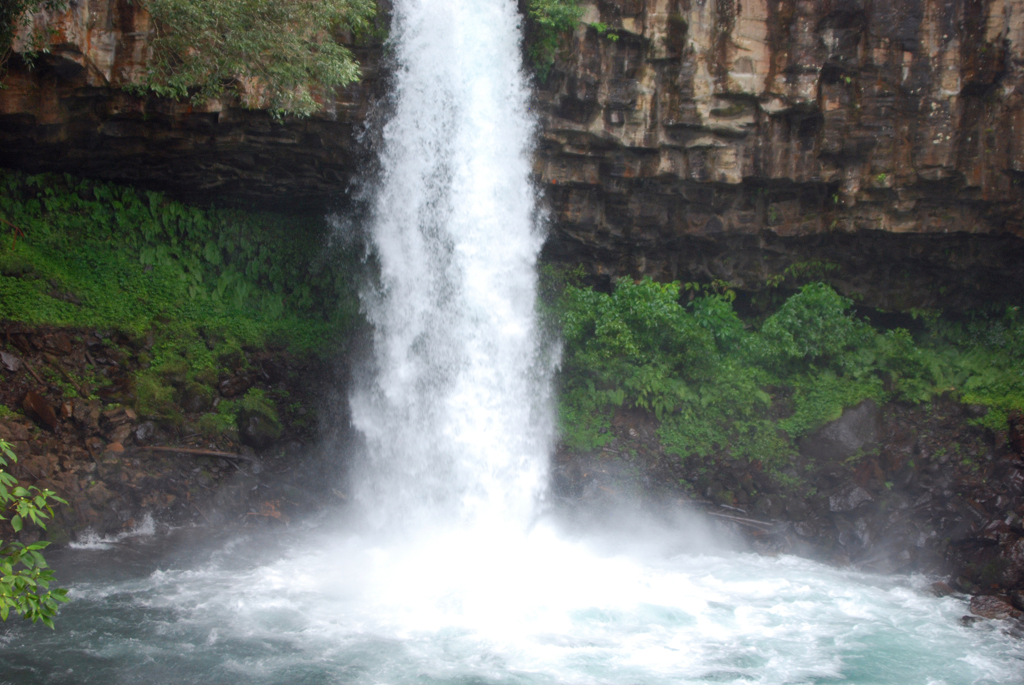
(67, 111)
(880, 143)
(728, 139)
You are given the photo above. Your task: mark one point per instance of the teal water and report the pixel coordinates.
(471, 607)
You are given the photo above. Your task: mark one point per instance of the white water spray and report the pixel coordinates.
(455, 422)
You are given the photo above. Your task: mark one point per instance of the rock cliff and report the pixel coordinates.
(66, 110)
(690, 139)
(700, 139)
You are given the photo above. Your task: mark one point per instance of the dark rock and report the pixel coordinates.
(257, 430)
(997, 608)
(769, 506)
(59, 343)
(941, 589)
(235, 386)
(10, 361)
(854, 431)
(1013, 556)
(144, 433)
(36, 406)
(849, 499)
(12, 431)
(196, 398)
(1016, 432)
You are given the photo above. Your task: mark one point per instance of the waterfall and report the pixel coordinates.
(455, 419)
(461, 580)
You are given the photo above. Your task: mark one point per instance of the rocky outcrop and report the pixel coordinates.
(66, 111)
(67, 408)
(682, 139)
(793, 130)
(886, 489)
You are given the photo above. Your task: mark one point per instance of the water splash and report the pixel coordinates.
(455, 420)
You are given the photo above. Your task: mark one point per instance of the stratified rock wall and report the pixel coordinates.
(729, 138)
(67, 112)
(692, 139)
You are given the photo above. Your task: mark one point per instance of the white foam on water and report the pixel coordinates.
(468, 605)
(90, 539)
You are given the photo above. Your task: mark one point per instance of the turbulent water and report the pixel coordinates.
(452, 568)
(455, 421)
(457, 607)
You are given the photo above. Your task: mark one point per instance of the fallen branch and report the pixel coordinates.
(192, 450)
(33, 372)
(17, 231)
(60, 367)
(201, 512)
(740, 519)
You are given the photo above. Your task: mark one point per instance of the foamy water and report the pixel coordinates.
(475, 607)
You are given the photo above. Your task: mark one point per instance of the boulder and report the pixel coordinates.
(235, 386)
(988, 606)
(848, 499)
(856, 430)
(258, 430)
(37, 407)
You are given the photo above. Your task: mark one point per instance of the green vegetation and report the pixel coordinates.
(197, 285)
(82, 253)
(549, 21)
(283, 55)
(15, 15)
(720, 385)
(24, 577)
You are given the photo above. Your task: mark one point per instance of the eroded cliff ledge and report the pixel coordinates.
(692, 139)
(727, 139)
(69, 113)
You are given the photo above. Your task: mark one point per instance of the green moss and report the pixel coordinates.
(255, 400)
(101, 255)
(196, 286)
(153, 397)
(217, 423)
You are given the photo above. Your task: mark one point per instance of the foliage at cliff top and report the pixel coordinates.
(15, 14)
(83, 253)
(549, 20)
(281, 55)
(24, 576)
(719, 384)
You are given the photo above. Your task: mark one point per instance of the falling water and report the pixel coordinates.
(482, 589)
(455, 422)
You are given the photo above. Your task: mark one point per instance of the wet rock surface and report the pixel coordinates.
(78, 434)
(886, 489)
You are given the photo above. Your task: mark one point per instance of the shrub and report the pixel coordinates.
(24, 576)
(281, 55)
(549, 20)
(717, 384)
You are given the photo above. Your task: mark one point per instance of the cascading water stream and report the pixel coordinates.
(458, 578)
(455, 422)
